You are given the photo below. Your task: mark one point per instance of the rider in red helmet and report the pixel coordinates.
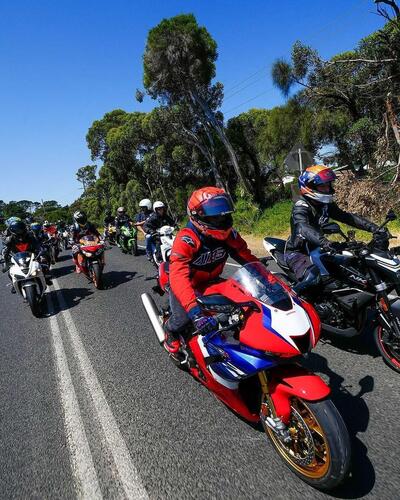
(198, 256)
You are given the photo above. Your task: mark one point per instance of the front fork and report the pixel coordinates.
(386, 316)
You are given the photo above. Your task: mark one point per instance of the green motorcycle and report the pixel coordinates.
(127, 239)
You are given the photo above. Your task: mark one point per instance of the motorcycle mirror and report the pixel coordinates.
(351, 234)
(390, 216)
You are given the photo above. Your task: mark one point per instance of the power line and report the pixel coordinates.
(266, 67)
(249, 100)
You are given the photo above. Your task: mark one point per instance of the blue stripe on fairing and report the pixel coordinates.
(267, 323)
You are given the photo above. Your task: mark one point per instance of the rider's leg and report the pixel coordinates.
(307, 274)
(149, 246)
(177, 322)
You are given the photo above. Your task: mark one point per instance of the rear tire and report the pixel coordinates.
(323, 463)
(389, 355)
(97, 275)
(33, 300)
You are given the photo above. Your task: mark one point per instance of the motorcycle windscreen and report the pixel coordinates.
(89, 239)
(23, 259)
(255, 280)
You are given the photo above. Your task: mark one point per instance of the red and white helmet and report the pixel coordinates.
(210, 211)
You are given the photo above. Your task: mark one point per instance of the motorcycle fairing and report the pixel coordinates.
(289, 381)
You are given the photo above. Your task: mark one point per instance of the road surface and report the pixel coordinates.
(92, 407)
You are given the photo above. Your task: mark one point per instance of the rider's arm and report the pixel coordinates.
(303, 228)
(353, 220)
(184, 249)
(239, 250)
(150, 226)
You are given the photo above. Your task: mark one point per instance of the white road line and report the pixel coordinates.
(127, 472)
(80, 455)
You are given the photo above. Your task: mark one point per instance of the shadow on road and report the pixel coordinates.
(64, 257)
(355, 413)
(72, 297)
(112, 279)
(58, 272)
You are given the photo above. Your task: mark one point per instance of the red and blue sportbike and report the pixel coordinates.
(251, 364)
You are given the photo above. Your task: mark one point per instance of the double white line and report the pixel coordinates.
(80, 454)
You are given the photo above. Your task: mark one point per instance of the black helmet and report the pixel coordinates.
(17, 228)
(80, 217)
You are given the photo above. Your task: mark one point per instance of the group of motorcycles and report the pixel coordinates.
(266, 326)
(127, 241)
(28, 272)
(252, 361)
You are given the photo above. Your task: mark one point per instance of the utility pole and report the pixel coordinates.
(300, 161)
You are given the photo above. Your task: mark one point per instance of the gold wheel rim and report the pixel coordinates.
(293, 453)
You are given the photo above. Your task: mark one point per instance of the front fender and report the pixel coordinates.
(286, 382)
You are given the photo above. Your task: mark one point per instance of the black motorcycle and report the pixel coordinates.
(358, 280)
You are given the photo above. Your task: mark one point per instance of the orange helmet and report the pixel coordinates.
(210, 210)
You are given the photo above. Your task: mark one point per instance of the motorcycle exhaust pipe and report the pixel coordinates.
(154, 315)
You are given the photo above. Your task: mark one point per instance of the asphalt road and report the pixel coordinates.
(91, 406)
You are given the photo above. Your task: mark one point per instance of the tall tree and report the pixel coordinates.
(87, 176)
(179, 66)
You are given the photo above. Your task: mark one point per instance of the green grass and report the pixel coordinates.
(273, 221)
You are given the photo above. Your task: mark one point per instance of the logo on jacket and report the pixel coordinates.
(210, 257)
(188, 240)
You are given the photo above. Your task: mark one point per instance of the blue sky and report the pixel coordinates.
(64, 63)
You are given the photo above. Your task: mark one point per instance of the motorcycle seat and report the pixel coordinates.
(277, 243)
(280, 257)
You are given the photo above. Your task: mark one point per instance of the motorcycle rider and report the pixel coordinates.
(198, 256)
(82, 227)
(108, 220)
(140, 218)
(19, 236)
(156, 220)
(121, 219)
(309, 214)
(37, 231)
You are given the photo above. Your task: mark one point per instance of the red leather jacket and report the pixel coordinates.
(196, 260)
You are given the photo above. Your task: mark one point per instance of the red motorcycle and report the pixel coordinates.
(250, 362)
(91, 259)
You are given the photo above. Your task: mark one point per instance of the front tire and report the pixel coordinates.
(319, 451)
(97, 275)
(388, 347)
(33, 300)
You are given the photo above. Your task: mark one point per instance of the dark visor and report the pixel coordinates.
(219, 205)
(324, 177)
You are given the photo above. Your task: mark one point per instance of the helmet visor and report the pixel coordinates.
(218, 205)
(324, 177)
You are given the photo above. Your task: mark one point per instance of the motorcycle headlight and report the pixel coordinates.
(24, 262)
(88, 254)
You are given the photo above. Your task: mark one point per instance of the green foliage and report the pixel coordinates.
(179, 55)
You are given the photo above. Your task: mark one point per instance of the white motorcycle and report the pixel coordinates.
(28, 279)
(164, 238)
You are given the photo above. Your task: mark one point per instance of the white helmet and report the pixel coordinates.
(121, 210)
(158, 204)
(145, 203)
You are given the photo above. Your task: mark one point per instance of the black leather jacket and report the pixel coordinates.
(307, 220)
(121, 220)
(156, 221)
(10, 245)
